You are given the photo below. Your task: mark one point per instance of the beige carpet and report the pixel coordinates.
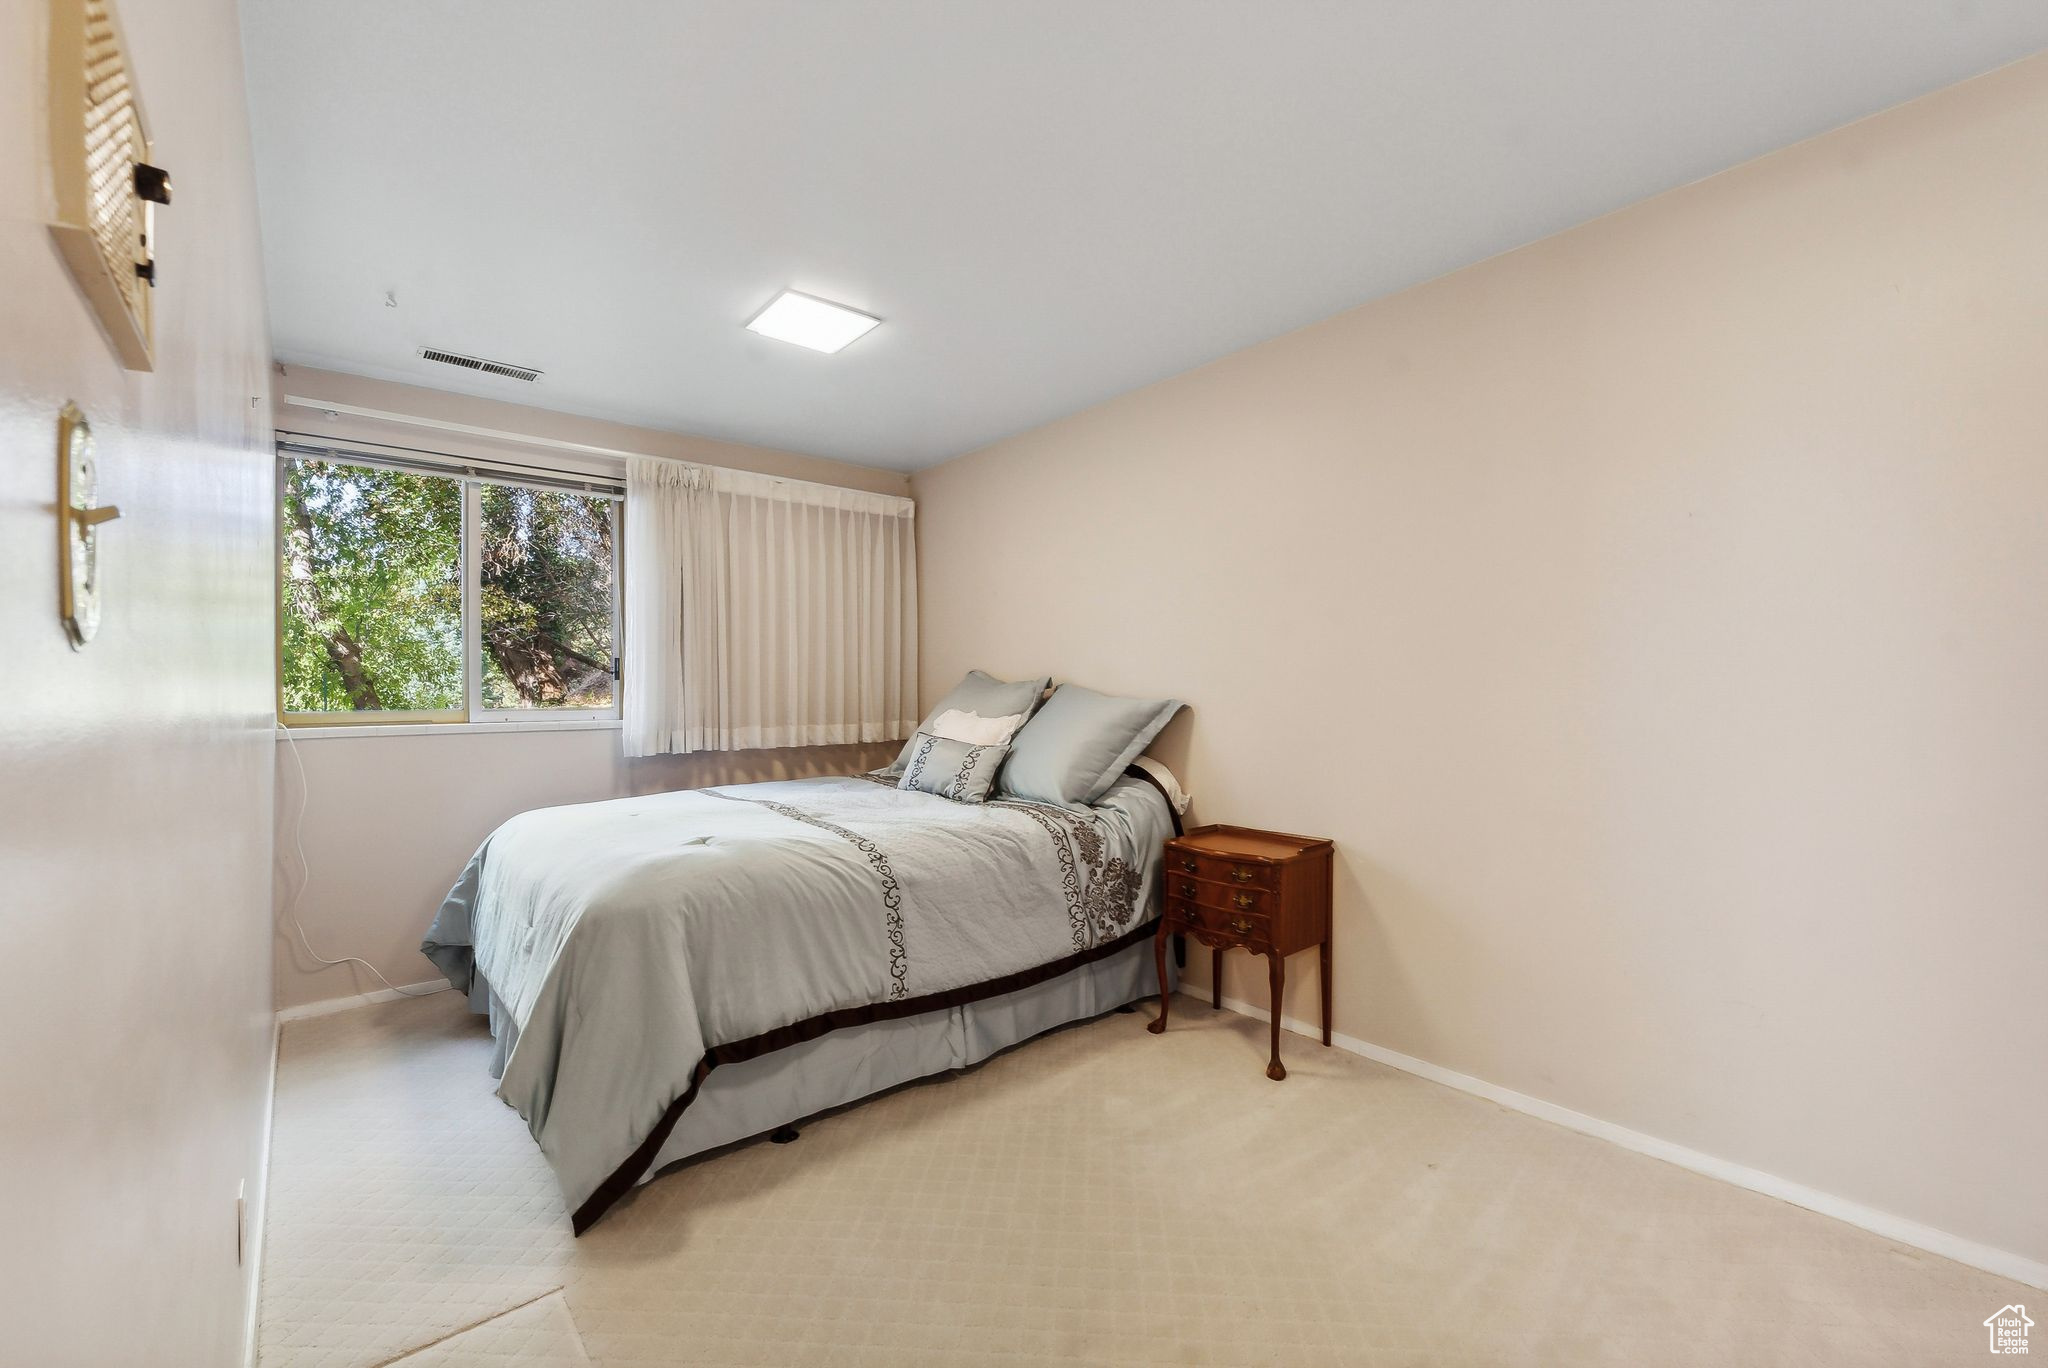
(1100, 1196)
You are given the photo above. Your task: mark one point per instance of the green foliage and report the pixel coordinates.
(545, 608)
(372, 588)
(371, 585)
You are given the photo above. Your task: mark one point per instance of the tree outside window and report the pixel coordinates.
(373, 575)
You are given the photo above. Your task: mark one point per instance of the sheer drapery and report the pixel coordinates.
(763, 612)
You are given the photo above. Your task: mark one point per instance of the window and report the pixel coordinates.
(545, 611)
(408, 594)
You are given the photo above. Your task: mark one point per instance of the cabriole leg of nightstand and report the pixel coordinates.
(1216, 978)
(1277, 979)
(1324, 951)
(1159, 959)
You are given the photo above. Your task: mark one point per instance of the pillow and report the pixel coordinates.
(1168, 785)
(952, 769)
(1074, 748)
(955, 725)
(982, 695)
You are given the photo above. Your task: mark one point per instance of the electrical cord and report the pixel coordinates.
(291, 904)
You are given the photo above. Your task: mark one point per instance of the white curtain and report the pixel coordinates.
(764, 612)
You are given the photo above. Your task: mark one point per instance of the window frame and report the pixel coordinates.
(472, 713)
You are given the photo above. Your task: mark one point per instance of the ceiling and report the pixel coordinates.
(1049, 203)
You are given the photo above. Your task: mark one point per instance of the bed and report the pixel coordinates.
(668, 974)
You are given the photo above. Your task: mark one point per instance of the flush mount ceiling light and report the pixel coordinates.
(811, 322)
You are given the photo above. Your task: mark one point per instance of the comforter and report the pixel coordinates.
(638, 943)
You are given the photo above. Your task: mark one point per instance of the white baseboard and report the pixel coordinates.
(2002, 1262)
(257, 1212)
(328, 1006)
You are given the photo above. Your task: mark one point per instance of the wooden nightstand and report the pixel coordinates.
(1236, 888)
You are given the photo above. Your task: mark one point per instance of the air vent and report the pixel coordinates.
(477, 363)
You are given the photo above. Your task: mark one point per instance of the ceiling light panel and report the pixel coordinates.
(811, 322)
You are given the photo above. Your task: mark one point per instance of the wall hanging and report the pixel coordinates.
(107, 189)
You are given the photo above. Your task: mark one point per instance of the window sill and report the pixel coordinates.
(448, 728)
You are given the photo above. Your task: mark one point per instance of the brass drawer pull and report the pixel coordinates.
(1191, 916)
(1243, 875)
(1244, 900)
(1187, 890)
(1188, 866)
(1241, 926)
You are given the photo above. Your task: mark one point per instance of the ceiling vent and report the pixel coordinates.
(477, 363)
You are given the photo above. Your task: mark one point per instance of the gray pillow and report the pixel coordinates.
(984, 696)
(1078, 744)
(952, 769)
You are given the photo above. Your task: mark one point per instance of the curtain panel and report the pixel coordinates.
(762, 612)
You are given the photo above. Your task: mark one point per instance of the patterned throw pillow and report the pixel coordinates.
(951, 769)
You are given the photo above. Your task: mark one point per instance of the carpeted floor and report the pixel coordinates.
(1100, 1196)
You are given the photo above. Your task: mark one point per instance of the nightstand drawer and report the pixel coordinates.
(1223, 897)
(1248, 928)
(1223, 870)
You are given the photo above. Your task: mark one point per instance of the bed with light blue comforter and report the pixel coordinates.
(636, 944)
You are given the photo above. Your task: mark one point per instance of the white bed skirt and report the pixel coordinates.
(755, 1096)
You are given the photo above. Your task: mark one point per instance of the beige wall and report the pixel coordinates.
(135, 776)
(1657, 618)
(389, 820)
